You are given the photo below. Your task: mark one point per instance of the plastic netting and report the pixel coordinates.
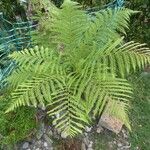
(17, 36)
(13, 36)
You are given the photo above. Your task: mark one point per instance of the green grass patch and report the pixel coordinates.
(140, 113)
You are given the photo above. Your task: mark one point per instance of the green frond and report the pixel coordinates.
(127, 58)
(97, 93)
(69, 25)
(31, 57)
(108, 25)
(35, 91)
(34, 62)
(69, 105)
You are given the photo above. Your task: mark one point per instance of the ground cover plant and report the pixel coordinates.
(140, 107)
(15, 126)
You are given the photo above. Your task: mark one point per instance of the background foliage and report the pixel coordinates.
(140, 23)
(11, 9)
(140, 109)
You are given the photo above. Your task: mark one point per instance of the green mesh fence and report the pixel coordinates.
(13, 36)
(17, 36)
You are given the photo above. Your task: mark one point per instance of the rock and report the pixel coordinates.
(39, 135)
(90, 144)
(90, 148)
(85, 134)
(119, 145)
(43, 108)
(88, 129)
(57, 115)
(38, 144)
(99, 129)
(48, 140)
(111, 123)
(64, 135)
(45, 144)
(83, 146)
(115, 142)
(25, 145)
(86, 141)
(40, 131)
(125, 134)
(49, 132)
(125, 147)
(110, 145)
(127, 143)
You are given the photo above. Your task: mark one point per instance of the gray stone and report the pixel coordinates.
(114, 142)
(124, 133)
(83, 146)
(86, 141)
(40, 131)
(125, 136)
(64, 135)
(25, 145)
(110, 144)
(88, 129)
(43, 108)
(119, 145)
(90, 144)
(48, 140)
(99, 129)
(57, 115)
(49, 132)
(127, 143)
(125, 147)
(90, 148)
(45, 144)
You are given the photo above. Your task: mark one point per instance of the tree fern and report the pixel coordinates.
(83, 72)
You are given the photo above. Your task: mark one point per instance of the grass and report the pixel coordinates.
(140, 113)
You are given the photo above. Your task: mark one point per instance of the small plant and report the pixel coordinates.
(83, 68)
(15, 126)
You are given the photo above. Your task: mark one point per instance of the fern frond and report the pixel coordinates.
(107, 25)
(35, 91)
(126, 58)
(69, 25)
(32, 56)
(68, 103)
(34, 62)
